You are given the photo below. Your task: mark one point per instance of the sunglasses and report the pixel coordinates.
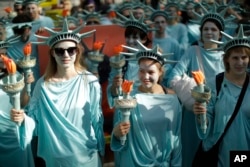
(60, 51)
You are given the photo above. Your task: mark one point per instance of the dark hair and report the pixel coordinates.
(130, 30)
(22, 18)
(218, 25)
(215, 22)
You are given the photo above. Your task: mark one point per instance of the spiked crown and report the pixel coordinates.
(231, 42)
(20, 25)
(158, 13)
(65, 34)
(145, 52)
(90, 15)
(173, 3)
(133, 22)
(8, 42)
(18, 2)
(213, 15)
(4, 21)
(123, 6)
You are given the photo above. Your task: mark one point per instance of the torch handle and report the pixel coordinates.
(202, 117)
(16, 103)
(28, 86)
(203, 120)
(125, 118)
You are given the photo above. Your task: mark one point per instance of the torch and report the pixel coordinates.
(27, 63)
(12, 84)
(117, 62)
(95, 56)
(125, 104)
(202, 94)
(10, 13)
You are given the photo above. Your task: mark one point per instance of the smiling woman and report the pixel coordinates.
(71, 51)
(157, 106)
(203, 57)
(67, 99)
(225, 113)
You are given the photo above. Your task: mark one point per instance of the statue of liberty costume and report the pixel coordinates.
(221, 107)
(69, 121)
(68, 114)
(131, 69)
(16, 51)
(15, 149)
(154, 138)
(195, 58)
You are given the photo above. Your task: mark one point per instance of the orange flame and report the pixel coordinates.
(112, 14)
(127, 86)
(10, 64)
(97, 45)
(118, 49)
(65, 12)
(8, 9)
(27, 49)
(198, 77)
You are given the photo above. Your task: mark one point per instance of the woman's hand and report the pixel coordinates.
(121, 129)
(29, 78)
(117, 82)
(17, 115)
(199, 108)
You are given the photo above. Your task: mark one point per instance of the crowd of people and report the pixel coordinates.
(62, 122)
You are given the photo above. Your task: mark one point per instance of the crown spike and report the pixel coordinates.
(64, 34)
(148, 53)
(87, 34)
(78, 28)
(155, 49)
(131, 49)
(227, 35)
(241, 32)
(65, 25)
(122, 16)
(203, 8)
(141, 45)
(51, 32)
(141, 20)
(217, 42)
(131, 15)
(127, 54)
(239, 40)
(41, 37)
(223, 12)
(9, 41)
